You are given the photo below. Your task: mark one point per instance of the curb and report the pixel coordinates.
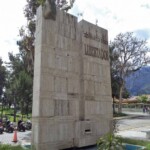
(128, 117)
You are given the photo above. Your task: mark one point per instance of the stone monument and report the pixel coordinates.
(72, 105)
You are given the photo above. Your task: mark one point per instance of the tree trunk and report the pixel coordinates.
(2, 111)
(120, 99)
(22, 105)
(15, 109)
(113, 104)
(27, 109)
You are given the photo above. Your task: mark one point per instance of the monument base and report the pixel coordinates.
(57, 134)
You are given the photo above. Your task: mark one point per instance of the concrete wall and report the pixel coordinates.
(72, 103)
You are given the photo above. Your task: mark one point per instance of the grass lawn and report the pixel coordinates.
(10, 114)
(9, 147)
(124, 140)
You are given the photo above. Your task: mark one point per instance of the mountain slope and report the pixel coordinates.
(139, 82)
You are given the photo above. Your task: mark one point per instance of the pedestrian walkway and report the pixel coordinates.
(135, 125)
(133, 113)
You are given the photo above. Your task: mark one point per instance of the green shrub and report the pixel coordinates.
(109, 142)
(143, 98)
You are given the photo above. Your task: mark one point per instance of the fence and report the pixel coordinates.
(138, 107)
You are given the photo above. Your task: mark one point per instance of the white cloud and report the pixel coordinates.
(114, 15)
(12, 18)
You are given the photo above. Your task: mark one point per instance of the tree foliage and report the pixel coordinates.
(115, 79)
(143, 98)
(19, 84)
(3, 74)
(26, 42)
(128, 55)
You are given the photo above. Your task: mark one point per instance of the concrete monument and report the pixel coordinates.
(72, 105)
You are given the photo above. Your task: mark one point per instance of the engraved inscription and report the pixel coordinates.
(96, 37)
(96, 52)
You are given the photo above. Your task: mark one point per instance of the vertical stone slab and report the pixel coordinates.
(55, 91)
(95, 107)
(72, 92)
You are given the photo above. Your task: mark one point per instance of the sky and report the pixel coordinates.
(117, 16)
(12, 18)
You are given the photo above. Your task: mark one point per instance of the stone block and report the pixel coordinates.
(48, 105)
(61, 62)
(73, 64)
(47, 83)
(89, 87)
(73, 85)
(74, 108)
(61, 96)
(60, 84)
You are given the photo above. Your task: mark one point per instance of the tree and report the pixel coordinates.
(115, 79)
(19, 87)
(129, 54)
(26, 42)
(143, 99)
(2, 77)
(3, 74)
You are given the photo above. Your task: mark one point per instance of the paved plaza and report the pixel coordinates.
(133, 126)
(23, 138)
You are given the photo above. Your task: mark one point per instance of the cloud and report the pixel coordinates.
(12, 18)
(147, 6)
(116, 15)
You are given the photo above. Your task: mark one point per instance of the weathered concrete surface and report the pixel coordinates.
(72, 103)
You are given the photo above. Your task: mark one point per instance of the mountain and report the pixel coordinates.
(139, 82)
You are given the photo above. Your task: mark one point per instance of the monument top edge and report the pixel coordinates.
(46, 11)
(91, 24)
